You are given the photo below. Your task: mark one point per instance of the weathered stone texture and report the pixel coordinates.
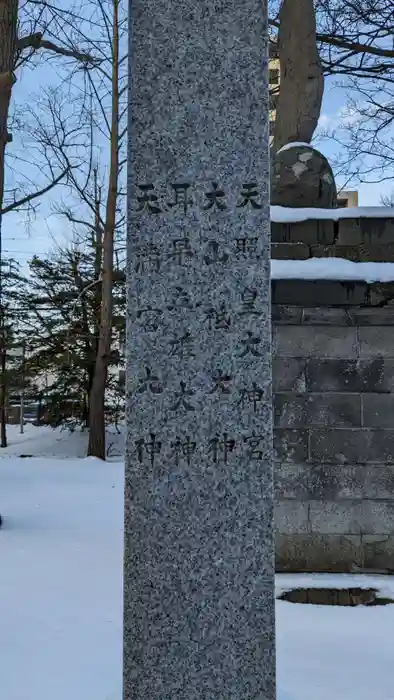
(333, 378)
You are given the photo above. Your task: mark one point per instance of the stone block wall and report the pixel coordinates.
(333, 379)
(358, 239)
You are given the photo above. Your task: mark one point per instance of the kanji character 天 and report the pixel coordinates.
(148, 201)
(249, 193)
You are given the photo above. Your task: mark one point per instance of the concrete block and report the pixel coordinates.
(286, 315)
(321, 482)
(318, 553)
(378, 552)
(331, 518)
(381, 293)
(288, 374)
(349, 252)
(290, 251)
(374, 375)
(336, 410)
(377, 231)
(376, 341)
(349, 232)
(363, 252)
(372, 316)
(378, 410)
(312, 341)
(319, 292)
(326, 316)
(280, 232)
(378, 517)
(291, 517)
(379, 482)
(376, 252)
(352, 446)
(291, 445)
(311, 231)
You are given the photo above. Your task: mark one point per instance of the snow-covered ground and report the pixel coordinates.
(61, 593)
(45, 442)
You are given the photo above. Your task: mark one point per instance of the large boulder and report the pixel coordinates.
(302, 177)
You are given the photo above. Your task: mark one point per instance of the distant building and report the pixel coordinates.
(347, 198)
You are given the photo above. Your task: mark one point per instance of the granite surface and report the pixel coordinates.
(199, 556)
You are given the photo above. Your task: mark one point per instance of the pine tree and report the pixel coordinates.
(12, 339)
(64, 305)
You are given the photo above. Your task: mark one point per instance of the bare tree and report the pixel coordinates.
(99, 98)
(22, 28)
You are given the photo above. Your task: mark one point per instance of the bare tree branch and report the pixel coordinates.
(36, 41)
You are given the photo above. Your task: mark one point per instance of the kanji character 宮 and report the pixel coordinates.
(249, 193)
(221, 447)
(148, 201)
(149, 448)
(215, 198)
(182, 398)
(150, 383)
(181, 197)
(257, 446)
(150, 318)
(183, 449)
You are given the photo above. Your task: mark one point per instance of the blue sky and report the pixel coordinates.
(22, 241)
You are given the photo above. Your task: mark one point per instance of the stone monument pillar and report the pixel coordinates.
(199, 552)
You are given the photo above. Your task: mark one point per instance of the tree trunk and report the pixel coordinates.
(301, 74)
(97, 396)
(8, 36)
(3, 395)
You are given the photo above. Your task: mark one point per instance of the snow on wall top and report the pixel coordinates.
(332, 269)
(292, 215)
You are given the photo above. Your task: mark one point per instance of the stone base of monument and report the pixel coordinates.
(302, 177)
(348, 597)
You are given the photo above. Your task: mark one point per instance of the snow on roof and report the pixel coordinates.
(332, 269)
(294, 144)
(291, 215)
